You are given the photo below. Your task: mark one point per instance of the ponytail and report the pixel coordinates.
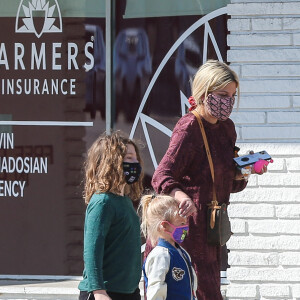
(155, 209)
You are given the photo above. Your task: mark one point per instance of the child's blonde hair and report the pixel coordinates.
(156, 209)
(211, 76)
(104, 167)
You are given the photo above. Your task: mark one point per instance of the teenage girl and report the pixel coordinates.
(112, 243)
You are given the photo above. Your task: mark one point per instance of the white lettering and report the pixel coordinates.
(6, 140)
(55, 56)
(72, 86)
(37, 59)
(62, 86)
(12, 188)
(89, 56)
(19, 56)
(3, 61)
(36, 85)
(72, 57)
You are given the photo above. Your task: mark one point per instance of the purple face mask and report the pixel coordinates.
(219, 107)
(179, 233)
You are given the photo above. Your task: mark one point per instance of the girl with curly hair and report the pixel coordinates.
(112, 259)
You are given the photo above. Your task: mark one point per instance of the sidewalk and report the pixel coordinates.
(39, 289)
(13, 289)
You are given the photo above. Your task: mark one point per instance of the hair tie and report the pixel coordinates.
(192, 103)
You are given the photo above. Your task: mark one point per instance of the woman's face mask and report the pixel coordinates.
(179, 232)
(219, 107)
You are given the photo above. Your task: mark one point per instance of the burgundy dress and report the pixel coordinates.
(185, 166)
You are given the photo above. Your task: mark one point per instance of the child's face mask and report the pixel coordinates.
(132, 172)
(179, 232)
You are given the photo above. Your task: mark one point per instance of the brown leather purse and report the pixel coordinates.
(218, 224)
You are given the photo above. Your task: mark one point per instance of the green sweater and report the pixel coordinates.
(112, 245)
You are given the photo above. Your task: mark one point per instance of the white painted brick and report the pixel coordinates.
(288, 211)
(293, 164)
(237, 70)
(272, 179)
(268, 132)
(289, 8)
(289, 117)
(291, 23)
(258, 39)
(248, 117)
(296, 39)
(274, 149)
(238, 226)
(296, 291)
(266, 55)
(236, 258)
(264, 274)
(274, 226)
(251, 211)
(270, 86)
(289, 259)
(277, 165)
(262, 101)
(242, 291)
(274, 290)
(238, 24)
(296, 101)
(267, 24)
(266, 70)
(266, 195)
(274, 243)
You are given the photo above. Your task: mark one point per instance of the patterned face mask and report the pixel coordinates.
(219, 107)
(179, 232)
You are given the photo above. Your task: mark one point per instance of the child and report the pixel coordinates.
(112, 258)
(167, 269)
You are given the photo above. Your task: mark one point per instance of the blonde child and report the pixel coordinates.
(167, 270)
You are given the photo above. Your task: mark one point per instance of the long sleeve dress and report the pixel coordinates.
(185, 166)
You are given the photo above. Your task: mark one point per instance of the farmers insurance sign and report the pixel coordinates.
(41, 69)
(38, 18)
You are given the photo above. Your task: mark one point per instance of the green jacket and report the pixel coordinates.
(112, 245)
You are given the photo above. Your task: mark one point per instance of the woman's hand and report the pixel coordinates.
(101, 295)
(187, 206)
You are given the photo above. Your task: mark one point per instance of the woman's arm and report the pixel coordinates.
(167, 178)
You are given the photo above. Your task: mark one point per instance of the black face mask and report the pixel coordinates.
(132, 172)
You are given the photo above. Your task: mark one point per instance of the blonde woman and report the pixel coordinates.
(112, 259)
(168, 271)
(184, 171)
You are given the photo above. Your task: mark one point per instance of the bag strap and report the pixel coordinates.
(214, 203)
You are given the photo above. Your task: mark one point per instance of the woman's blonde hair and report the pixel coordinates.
(104, 167)
(156, 209)
(211, 76)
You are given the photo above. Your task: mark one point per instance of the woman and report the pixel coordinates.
(112, 259)
(184, 171)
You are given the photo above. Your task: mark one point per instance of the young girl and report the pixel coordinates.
(112, 258)
(167, 270)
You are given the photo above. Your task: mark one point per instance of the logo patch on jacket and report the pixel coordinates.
(177, 273)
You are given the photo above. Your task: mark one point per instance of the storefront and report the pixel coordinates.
(69, 71)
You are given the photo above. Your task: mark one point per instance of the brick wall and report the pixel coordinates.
(264, 43)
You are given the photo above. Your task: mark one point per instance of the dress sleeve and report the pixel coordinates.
(99, 217)
(156, 269)
(238, 185)
(177, 159)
